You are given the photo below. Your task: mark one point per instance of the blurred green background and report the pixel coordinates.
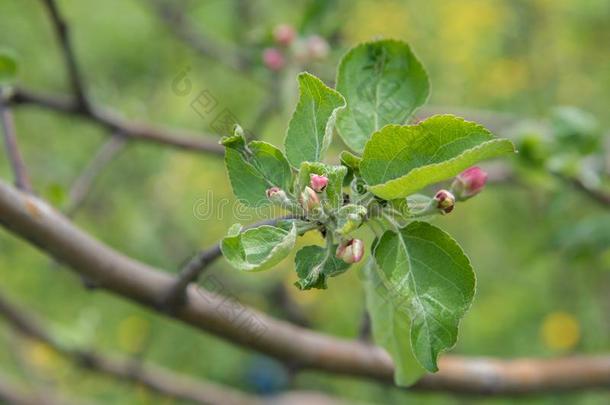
(541, 251)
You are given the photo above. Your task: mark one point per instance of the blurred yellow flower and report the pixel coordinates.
(387, 18)
(42, 355)
(560, 331)
(462, 24)
(505, 77)
(132, 333)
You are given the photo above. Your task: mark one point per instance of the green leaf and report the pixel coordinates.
(259, 248)
(311, 127)
(314, 264)
(255, 168)
(391, 327)
(8, 66)
(352, 162)
(335, 176)
(432, 280)
(383, 83)
(400, 160)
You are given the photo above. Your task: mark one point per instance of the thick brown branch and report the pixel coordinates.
(34, 220)
(63, 34)
(116, 124)
(22, 180)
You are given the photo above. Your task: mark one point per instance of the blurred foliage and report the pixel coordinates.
(540, 250)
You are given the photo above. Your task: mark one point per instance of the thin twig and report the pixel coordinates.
(11, 393)
(114, 123)
(63, 34)
(267, 108)
(596, 195)
(83, 184)
(22, 180)
(153, 377)
(281, 298)
(364, 332)
(178, 22)
(195, 266)
(37, 386)
(242, 23)
(158, 379)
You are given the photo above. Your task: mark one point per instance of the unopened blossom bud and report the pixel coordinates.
(351, 251)
(469, 183)
(317, 47)
(445, 201)
(277, 195)
(318, 183)
(284, 34)
(273, 59)
(309, 200)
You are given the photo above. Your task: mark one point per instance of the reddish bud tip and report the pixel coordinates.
(351, 251)
(445, 201)
(284, 34)
(273, 59)
(318, 183)
(469, 183)
(276, 194)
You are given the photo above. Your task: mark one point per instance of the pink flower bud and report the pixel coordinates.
(469, 183)
(351, 251)
(271, 192)
(309, 200)
(273, 59)
(445, 201)
(317, 47)
(284, 34)
(276, 195)
(318, 183)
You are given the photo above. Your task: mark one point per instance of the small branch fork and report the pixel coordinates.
(193, 269)
(22, 180)
(141, 131)
(74, 74)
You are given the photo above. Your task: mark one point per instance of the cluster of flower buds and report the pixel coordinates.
(444, 201)
(313, 47)
(466, 185)
(351, 251)
(469, 183)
